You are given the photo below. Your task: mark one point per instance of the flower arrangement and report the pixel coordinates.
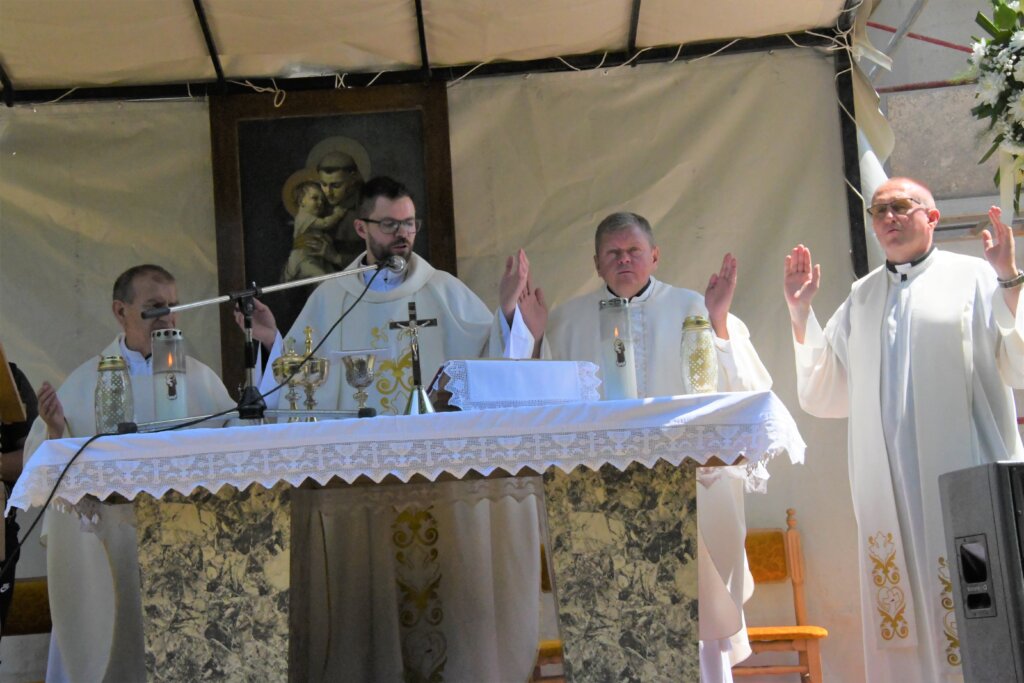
(998, 62)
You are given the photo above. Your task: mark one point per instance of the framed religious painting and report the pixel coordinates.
(287, 179)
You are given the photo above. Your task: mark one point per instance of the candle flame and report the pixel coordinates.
(170, 359)
(616, 332)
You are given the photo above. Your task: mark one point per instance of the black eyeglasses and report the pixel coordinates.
(899, 207)
(389, 226)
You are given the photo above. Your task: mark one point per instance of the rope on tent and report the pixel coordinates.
(61, 97)
(279, 94)
(460, 78)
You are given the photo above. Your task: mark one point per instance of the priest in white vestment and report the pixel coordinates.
(920, 357)
(91, 553)
(626, 258)
(487, 611)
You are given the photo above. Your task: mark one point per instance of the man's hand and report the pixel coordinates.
(264, 327)
(718, 296)
(999, 252)
(51, 410)
(534, 310)
(800, 285)
(513, 284)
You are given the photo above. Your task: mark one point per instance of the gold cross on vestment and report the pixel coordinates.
(411, 327)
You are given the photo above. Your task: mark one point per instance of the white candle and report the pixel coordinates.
(618, 367)
(170, 397)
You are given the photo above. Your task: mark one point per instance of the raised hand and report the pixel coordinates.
(51, 410)
(999, 249)
(514, 282)
(800, 285)
(534, 310)
(718, 295)
(999, 252)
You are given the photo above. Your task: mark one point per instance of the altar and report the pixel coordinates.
(225, 580)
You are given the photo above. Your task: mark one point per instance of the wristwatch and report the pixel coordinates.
(1015, 281)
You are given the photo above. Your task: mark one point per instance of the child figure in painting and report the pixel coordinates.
(313, 252)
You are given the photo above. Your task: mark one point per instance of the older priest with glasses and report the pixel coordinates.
(920, 357)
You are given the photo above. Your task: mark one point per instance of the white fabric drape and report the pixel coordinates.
(433, 579)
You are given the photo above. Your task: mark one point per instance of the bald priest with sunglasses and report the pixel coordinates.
(920, 357)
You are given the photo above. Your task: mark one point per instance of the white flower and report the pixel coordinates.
(990, 87)
(980, 49)
(1018, 72)
(1015, 108)
(1014, 5)
(1017, 39)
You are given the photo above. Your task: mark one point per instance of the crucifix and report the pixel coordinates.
(418, 401)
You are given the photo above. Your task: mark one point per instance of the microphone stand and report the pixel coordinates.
(251, 405)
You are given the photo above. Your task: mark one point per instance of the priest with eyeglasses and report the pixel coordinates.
(921, 358)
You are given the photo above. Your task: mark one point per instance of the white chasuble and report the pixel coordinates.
(465, 329)
(920, 361)
(91, 552)
(460, 602)
(656, 322)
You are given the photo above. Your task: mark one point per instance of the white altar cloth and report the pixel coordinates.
(489, 384)
(752, 425)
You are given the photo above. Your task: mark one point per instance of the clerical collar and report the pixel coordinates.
(137, 363)
(641, 295)
(904, 270)
(386, 279)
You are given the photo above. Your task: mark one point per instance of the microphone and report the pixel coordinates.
(396, 264)
(159, 312)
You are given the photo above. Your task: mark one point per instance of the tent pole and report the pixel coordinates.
(211, 46)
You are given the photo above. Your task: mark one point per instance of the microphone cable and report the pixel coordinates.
(12, 553)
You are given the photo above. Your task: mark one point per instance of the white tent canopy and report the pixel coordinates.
(50, 44)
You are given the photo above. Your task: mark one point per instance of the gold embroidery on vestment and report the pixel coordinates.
(420, 612)
(949, 629)
(890, 601)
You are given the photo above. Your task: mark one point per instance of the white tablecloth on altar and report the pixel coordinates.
(752, 425)
(489, 384)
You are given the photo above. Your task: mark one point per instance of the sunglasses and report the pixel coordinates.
(899, 207)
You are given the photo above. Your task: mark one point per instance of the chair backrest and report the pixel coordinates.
(775, 555)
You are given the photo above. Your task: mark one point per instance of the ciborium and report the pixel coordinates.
(289, 367)
(359, 373)
(314, 373)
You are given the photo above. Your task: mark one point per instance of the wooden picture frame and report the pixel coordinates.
(262, 153)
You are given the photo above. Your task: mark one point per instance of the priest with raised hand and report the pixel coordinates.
(386, 221)
(626, 257)
(482, 565)
(93, 573)
(920, 357)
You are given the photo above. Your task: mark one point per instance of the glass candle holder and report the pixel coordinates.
(170, 388)
(618, 366)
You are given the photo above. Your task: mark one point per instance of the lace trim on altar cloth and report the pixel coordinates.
(755, 426)
(474, 385)
(400, 497)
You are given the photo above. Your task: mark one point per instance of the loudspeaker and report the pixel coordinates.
(983, 513)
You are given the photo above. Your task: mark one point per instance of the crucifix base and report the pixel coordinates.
(419, 403)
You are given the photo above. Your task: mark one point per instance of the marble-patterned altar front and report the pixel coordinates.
(218, 570)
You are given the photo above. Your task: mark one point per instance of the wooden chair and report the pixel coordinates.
(775, 555)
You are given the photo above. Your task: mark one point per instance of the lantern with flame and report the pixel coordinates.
(170, 397)
(618, 368)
